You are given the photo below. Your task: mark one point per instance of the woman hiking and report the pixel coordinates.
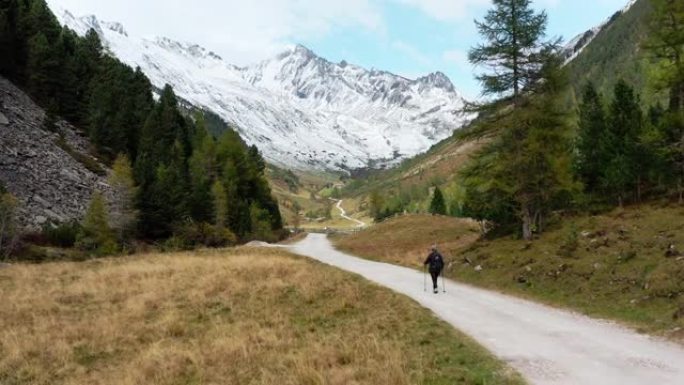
(435, 263)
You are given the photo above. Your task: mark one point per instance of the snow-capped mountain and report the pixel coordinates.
(301, 110)
(575, 46)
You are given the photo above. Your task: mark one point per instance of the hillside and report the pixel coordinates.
(51, 172)
(613, 265)
(229, 316)
(615, 53)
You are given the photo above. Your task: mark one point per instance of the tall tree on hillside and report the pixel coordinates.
(624, 168)
(527, 169)
(161, 168)
(666, 45)
(590, 158)
(513, 48)
(528, 164)
(437, 205)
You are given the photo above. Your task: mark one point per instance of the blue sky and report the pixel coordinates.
(416, 43)
(408, 37)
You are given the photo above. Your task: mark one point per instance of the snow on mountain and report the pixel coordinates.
(575, 46)
(301, 110)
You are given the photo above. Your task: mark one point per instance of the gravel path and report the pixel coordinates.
(547, 346)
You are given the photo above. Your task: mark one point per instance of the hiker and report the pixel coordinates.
(435, 263)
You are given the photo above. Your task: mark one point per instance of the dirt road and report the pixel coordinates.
(546, 345)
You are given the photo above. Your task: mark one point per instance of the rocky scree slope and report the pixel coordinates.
(301, 110)
(39, 167)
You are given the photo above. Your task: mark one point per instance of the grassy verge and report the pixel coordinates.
(610, 266)
(245, 316)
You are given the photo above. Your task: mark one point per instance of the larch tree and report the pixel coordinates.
(513, 49)
(123, 214)
(529, 163)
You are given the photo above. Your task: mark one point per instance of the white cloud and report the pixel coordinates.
(447, 10)
(412, 53)
(241, 31)
(457, 57)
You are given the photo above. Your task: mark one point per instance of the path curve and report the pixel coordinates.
(343, 214)
(547, 346)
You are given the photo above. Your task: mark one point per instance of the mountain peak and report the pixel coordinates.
(301, 110)
(187, 49)
(437, 79)
(116, 27)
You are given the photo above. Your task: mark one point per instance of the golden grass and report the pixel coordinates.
(616, 267)
(245, 316)
(405, 240)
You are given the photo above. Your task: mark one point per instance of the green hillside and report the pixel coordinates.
(616, 53)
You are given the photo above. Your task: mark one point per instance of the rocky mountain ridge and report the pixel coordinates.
(301, 110)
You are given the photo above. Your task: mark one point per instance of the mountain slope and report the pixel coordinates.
(302, 111)
(50, 173)
(615, 52)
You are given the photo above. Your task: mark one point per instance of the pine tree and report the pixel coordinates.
(590, 158)
(514, 48)
(624, 169)
(123, 215)
(437, 205)
(96, 236)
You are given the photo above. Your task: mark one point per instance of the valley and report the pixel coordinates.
(168, 216)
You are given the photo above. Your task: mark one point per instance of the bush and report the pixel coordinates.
(61, 235)
(667, 280)
(9, 229)
(192, 234)
(570, 244)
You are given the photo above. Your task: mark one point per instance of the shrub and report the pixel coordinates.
(667, 280)
(570, 244)
(192, 234)
(61, 235)
(9, 229)
(96, 237)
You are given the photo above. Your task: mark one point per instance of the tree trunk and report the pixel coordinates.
(527, 223)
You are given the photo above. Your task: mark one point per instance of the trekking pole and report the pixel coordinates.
(424, 279)
(443, 285)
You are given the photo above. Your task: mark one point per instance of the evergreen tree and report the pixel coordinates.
(514, 48)
(96, 236)
(624, 169)
(437, 205)
(590, 158)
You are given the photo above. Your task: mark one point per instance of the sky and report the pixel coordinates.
(411, 38)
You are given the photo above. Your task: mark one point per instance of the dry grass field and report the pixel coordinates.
(612, 265)
(244, 316)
